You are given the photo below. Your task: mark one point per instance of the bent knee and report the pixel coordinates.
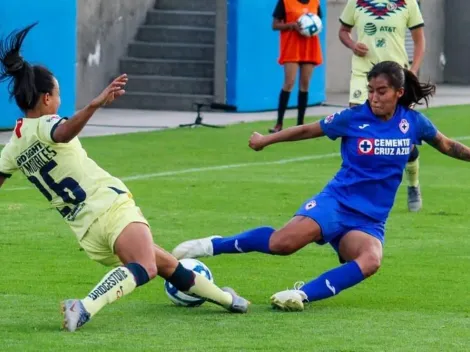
(151, 270)
(369, 263)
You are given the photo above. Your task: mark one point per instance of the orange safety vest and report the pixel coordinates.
(294, 46)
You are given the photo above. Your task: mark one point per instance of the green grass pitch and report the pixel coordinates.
(418, 301)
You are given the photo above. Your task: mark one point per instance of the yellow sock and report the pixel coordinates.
(412, 173)
(115, 284)
(204, 288)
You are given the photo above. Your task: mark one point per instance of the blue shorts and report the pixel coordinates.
(336, 220)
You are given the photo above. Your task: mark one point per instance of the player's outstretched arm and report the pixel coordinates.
(450, 147)
(68, 130)
(419, 48)
(313, 130)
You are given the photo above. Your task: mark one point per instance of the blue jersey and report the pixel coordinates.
(374, 153)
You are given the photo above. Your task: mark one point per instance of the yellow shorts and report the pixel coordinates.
(358, 89)
(98, 242)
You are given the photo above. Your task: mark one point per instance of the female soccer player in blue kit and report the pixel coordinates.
(351, 211)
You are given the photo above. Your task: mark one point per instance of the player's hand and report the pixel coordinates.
(294, 26)
(111, 92)
(360, 49)
(257, 141)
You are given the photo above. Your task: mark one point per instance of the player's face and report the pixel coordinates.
(52, 101)
(383, 97)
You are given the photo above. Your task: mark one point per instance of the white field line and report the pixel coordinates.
(210, 168)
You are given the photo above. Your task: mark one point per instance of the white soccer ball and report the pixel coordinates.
(310, 24)
(187, 299)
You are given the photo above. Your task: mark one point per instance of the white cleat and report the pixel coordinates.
(75, 314)
(289, 300)
(195, 248)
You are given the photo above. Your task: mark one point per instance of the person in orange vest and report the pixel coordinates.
(297, 52)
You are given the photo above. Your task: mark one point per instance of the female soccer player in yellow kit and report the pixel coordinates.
(98, 207)
(381, 27)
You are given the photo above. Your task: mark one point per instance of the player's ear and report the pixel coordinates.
(46, 99)
(400, 92)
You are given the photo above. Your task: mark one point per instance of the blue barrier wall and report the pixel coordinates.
(51, 43)
(254, 77)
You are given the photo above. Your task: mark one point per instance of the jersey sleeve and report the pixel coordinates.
(347, 16)
(336, 125)
(280, 10)
(416, 18)
(425, 129)
(47, 126)
(7, 163)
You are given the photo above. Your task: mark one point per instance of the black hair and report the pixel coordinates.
(28, 82)
(400, 77)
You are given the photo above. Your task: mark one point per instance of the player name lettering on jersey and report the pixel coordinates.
(380, 146)
(34, 158)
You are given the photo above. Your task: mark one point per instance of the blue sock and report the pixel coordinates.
(255, 240)
(333, 282)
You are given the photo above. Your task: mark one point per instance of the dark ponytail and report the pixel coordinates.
(27, 82)
(415, 91)
(400, 77)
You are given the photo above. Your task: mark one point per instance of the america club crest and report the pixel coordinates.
(404, 126)
(378, 9)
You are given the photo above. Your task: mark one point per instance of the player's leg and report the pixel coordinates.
(362, 253)
(296, 234)
(132, 249)
(290, 73)
(119, 238)
(141, 259)
(189, 281)
(301, 230)
(306, 70)
(415, 201)
(357, 89)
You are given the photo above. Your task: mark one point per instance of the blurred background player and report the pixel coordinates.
(351, 211)
(98, 207)
(297, 53)
(382, 27)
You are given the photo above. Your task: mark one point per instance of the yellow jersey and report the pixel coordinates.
(382, 26)
(71, 182)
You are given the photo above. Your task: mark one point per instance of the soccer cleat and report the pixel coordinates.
(195, 248)
(239, 304)
(75, 314)
(289, 300)
(275, 129)
(415, 201)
